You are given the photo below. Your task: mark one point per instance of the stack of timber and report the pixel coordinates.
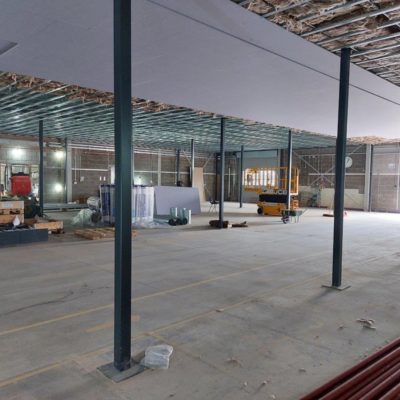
(9, 210)
(98, 233)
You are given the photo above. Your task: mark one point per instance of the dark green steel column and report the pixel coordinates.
(340, 167)
(371, 177)
(41, 168)
(178, 166)
(191, 162)
(123, 184)
(241, 177)
(289, 168)
(222, 174)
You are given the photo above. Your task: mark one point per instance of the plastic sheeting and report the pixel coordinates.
(142, 204)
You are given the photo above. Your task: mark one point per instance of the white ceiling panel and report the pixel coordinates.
(209, 55)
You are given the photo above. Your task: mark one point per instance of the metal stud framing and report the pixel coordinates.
(171, 128)
(370, 27)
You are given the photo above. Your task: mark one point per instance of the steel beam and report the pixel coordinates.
(123, 184)
(340, 168)
(191, 161)
(41, 168)
(241, 177)
(178, 166)
(222, 174)
(289, 168)
(356, 18)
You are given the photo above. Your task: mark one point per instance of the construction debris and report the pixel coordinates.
(240, 225)
(367, 323)
(215, 224)
(234, 361)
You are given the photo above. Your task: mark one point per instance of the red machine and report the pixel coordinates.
(21, 185)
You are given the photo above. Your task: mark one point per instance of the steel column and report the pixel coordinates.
(367, 176)
(371, 176)
(222, 174)
(41, 169)
(191, 161)
(178, 166)
(289, 168)
(216, 195)
(123, 184)
(340, 167)
(241, 177)
(68, 171)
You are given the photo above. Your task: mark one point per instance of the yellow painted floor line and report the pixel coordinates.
(29, 374)
(156, 294)
(155, 332)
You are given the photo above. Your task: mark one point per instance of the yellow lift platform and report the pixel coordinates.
(271, 186)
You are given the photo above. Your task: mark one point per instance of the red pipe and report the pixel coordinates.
(384, 387)
(324, 389)
(362, 378)
(393, 394)
(364, 391)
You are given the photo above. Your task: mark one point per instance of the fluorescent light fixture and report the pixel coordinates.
(6, 45)
(58, 188)
(58, 155)
(17, 153)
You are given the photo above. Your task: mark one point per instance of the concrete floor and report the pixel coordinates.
(243, 308)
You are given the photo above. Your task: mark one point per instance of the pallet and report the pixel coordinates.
(9, 218)
(98, 233)
(51, 225)
(9, 210)
(11, 205)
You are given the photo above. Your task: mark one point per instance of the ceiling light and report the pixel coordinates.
(58, 155)
(17, 153)
(58, 188)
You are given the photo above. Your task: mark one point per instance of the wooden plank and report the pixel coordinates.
(51, 225)
(7, 219)
(98, 233)
(4, 205)
(11, 211)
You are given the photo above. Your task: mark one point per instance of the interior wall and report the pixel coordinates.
(385, 182)
(317, 176)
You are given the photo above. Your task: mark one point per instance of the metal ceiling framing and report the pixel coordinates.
(163, 127)
(370, 27)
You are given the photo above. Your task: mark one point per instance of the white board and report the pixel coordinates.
(167, 197)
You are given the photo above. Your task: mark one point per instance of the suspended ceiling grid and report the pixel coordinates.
(86, 116)
(370, 27)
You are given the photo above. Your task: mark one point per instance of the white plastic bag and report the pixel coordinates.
(157, 357)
